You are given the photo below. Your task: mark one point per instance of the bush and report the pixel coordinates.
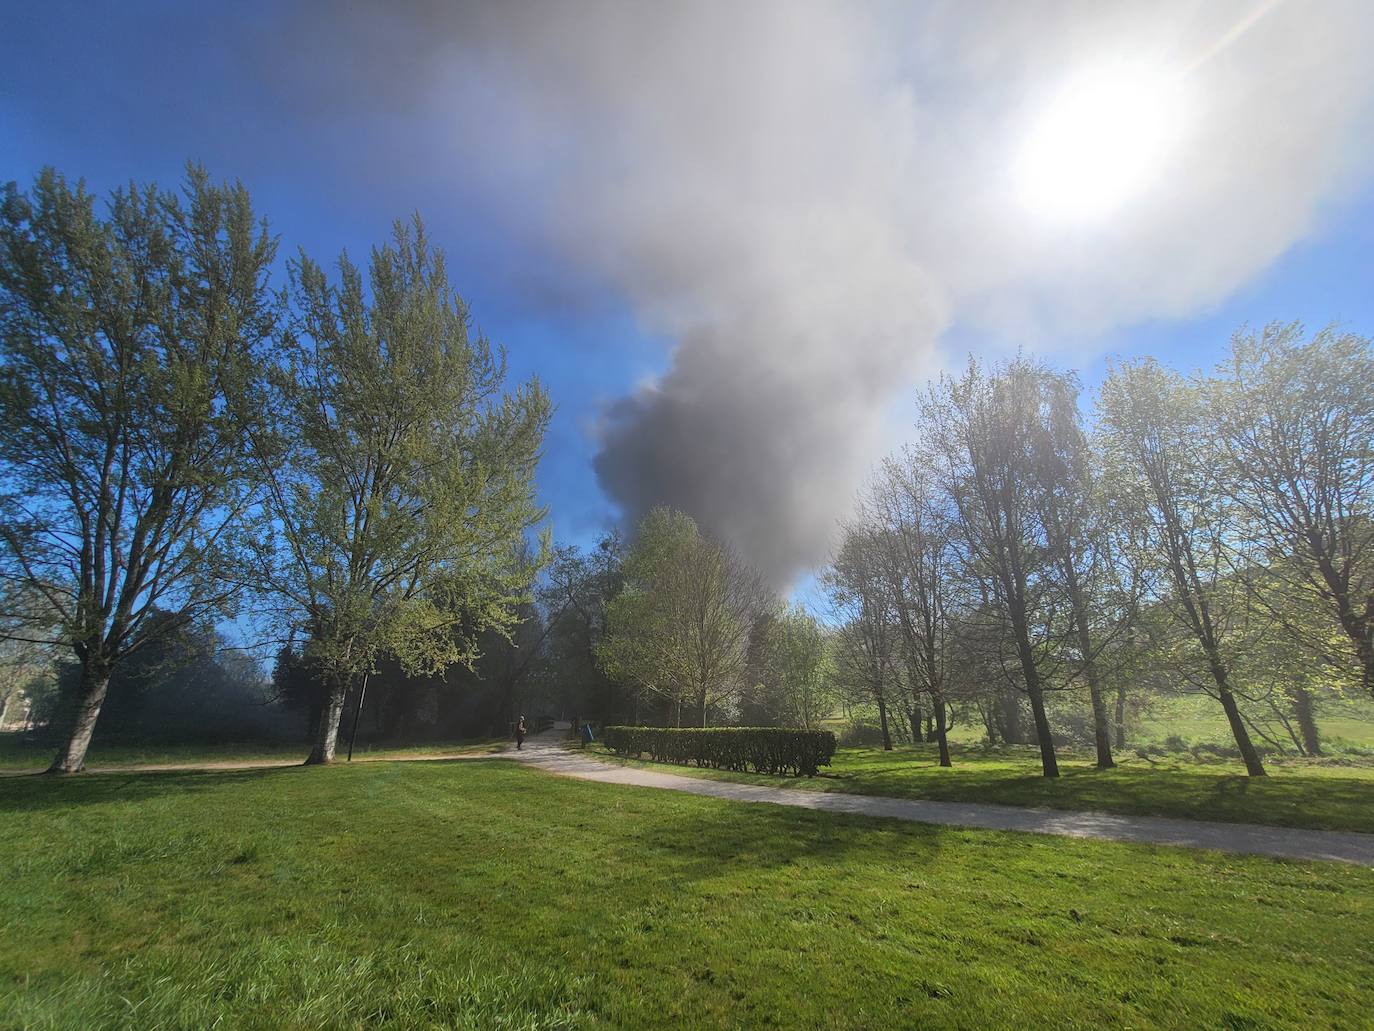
(757, 749)
(861, 735)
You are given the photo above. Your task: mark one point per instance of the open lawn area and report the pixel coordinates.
(1319, 794)
(487, 894)
(17, 753)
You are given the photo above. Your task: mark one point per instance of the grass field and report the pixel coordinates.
(1199, 720)
(1329, 795)
(487, 894)
(17, 753)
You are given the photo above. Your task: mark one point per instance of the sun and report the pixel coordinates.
(1101, 141)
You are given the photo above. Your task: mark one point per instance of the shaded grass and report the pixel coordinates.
(491, 895)
(19, 753)
(1298, 793)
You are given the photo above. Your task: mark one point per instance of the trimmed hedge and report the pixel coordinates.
(757, 749)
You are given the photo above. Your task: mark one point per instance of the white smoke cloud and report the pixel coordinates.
(803, 195)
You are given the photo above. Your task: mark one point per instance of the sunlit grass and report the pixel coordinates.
(1297, 793)
(491, 895)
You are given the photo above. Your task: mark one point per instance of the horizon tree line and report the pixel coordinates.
(181, 438)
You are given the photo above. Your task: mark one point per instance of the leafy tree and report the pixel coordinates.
(400, 477)
(788, 671)
(130, 345)
(575, 594)
(916, 548)
(1074, 512)
(680, 627)
(866, 645)
(1295, 421)
(1166, 470)
(983, 427)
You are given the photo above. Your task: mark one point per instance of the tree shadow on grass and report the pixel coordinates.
(40, 792)
(698, 837)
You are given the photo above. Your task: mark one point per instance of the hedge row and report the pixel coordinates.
(756, 749)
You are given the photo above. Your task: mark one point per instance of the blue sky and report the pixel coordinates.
(537, 169)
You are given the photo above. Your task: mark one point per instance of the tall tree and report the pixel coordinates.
(400, 477)
(917, 550)
(1098, 594)
(867, 649)
(982, 428)
(577, 588)
(1166, 469)
(129, 349)
(680, 628)
(788, 675)
(1295, 420)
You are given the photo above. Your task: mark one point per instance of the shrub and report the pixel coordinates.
(861, 735)
(757, 749)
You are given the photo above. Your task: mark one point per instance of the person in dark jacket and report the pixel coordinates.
(520, 732)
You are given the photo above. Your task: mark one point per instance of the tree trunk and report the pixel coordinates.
(1102, 731)
(1049, 765)
(940, 732)
(1253, 766)
(1121, 714)
(1307, 722)
(1102, 734)
(915, 726)
(95, 682)
(1010, 707)
(882, 719)
(1364, 645)
(327, 732)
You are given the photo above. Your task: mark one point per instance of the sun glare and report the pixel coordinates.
(1101, 141)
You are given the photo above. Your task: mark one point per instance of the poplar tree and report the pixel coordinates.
(399, 475)
(130, 345)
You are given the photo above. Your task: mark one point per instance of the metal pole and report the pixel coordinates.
(362, 693)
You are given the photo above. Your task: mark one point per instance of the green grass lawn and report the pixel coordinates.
(17, 753)
(487, 894)
(1328, 795)
(1200, 720)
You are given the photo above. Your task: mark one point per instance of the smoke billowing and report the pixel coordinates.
(802, 196)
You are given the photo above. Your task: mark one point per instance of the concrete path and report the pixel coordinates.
(546, 752)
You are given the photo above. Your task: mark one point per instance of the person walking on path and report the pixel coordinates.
(520, 732)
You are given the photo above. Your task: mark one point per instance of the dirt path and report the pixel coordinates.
(546, 752)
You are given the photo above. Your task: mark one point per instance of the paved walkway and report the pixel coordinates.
(546, 752)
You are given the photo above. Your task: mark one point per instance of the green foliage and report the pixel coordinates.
(770, 750)
(679, 629)
(789, 672)
(1294, 431)
(401, 476)
(131, 349)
